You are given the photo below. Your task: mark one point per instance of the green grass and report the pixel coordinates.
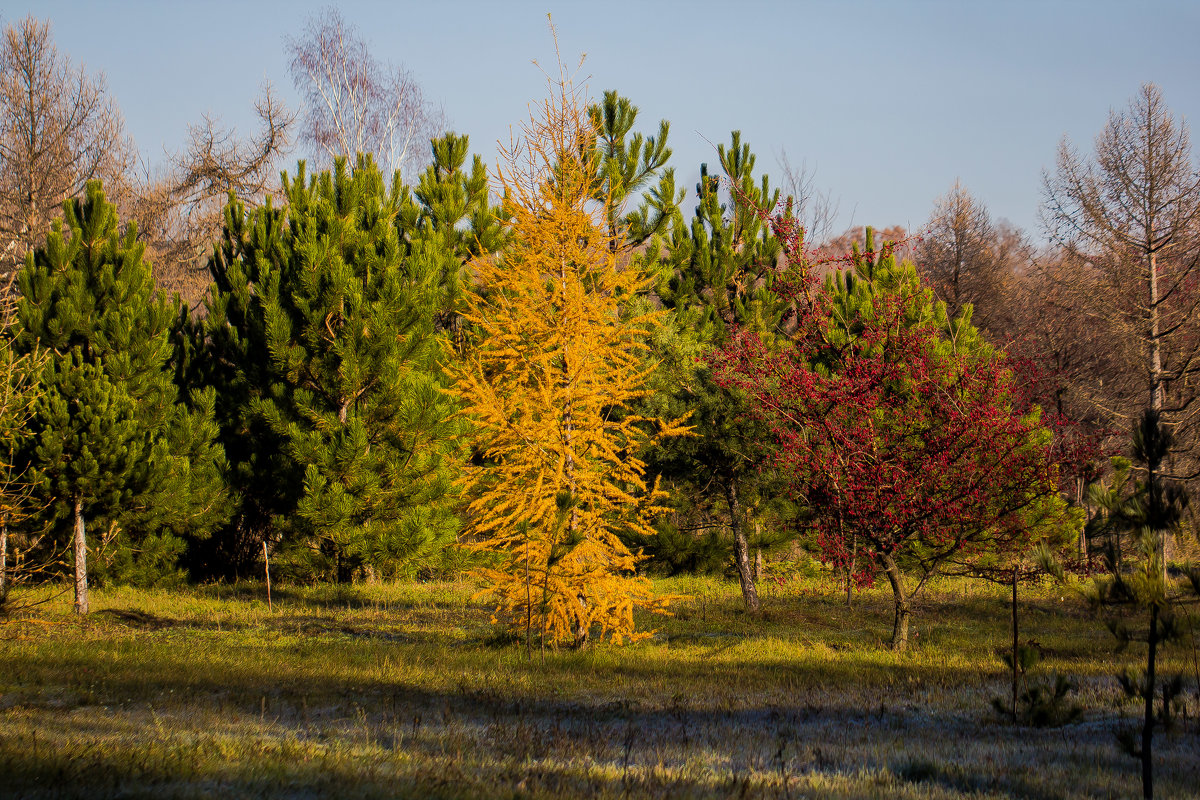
(406, 691)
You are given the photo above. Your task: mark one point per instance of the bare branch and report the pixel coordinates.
(816, 210)
(179, 208)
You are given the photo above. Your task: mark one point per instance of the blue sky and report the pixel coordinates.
(889, 103)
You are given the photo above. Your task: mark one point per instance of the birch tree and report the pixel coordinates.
(353, 103)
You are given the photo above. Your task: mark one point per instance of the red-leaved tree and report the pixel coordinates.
(898, 430)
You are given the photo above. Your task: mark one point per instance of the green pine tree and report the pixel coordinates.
(111, 441)
(626, 165)
(716, 275)
(451, 223)
(350, 331)
(225, 350)
(349, 394)
(435, 229)
(875, 271)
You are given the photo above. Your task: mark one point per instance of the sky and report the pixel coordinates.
(886, 103)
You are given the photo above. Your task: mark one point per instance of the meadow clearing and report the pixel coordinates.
(407, 690)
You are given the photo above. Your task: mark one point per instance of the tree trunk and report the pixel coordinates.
(900, 625)
(582, 629)
(1157, 401)
(1156, 387)
(759, 566)
(1148, 722)
(345, 570)
(267, 572)
(1156, 515)
(1016, 631)
(850, 566)
(741, 549)
(80, 543)
(1087, 517)
(3, 563)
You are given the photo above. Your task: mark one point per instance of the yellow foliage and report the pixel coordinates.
(557, 358)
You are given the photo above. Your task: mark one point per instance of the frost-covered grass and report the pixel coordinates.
(406, 691)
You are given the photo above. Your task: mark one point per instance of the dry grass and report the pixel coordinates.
(405, 691)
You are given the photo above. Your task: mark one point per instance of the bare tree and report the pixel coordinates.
(58, 129)
(179, 210)
(815, 209)
(355, 104)
(1132, 216)
(1064, 353)
(839, 246)
(959, 250)
(24, 555)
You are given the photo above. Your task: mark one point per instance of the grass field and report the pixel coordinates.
(407, 691)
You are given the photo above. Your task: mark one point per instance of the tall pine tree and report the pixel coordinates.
(325, 319)
(226, 350)
(407, 267)
(716, 276)
(360, 405)
(110, 442)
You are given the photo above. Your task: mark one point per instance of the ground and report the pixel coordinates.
(408, 691)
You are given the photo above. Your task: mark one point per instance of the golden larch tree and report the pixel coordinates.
(561, 328)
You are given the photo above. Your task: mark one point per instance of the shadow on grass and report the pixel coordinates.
(333, 597)
(317, 670)
(323, 703)
(955, 777)
(480, 744)
(145, 621)
(299, 773)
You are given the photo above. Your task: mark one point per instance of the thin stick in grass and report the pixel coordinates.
(267, 569)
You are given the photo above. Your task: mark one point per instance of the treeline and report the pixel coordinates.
(338, 401)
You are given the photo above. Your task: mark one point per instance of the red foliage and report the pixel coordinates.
(898, 444)
(1076, 448)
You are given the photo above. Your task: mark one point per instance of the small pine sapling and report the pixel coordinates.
(1042, 703)
(1152, 508)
